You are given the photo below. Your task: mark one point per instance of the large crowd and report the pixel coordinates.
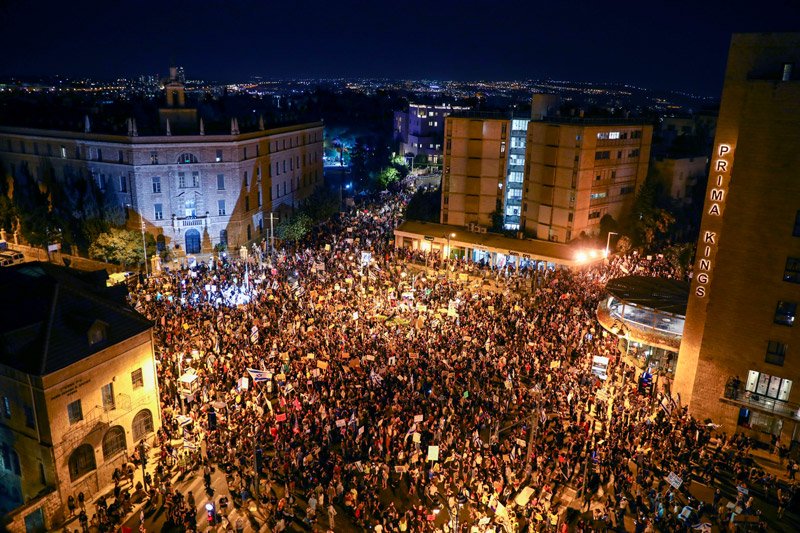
(343, 387)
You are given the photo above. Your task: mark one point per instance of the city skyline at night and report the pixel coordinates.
(655, 45)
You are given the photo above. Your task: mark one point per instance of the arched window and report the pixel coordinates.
(113, 442)
(142, 424)
(81, 461)
(186, 159)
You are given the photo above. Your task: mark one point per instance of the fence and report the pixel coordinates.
(81, 263)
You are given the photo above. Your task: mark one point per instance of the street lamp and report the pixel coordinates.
(608, 240)
(144, 245)
(449, 236)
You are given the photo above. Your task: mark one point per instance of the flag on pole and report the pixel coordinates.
(254, 334)
(259, 375)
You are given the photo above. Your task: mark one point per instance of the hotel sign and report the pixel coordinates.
(715, 206)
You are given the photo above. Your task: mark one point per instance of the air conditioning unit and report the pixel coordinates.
(483, 230)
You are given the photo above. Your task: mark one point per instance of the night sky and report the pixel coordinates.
(678, 44)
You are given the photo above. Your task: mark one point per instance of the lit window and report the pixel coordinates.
(613, 135)
(219, 156)
(186, 158)
(221, 207)
(770, 386)
(598, 195)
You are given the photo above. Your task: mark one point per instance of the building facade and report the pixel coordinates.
(474, 171)
(420, 131)
(191, 191)
(737, 364)
(78, 388)
(678, 175)
(579, 170)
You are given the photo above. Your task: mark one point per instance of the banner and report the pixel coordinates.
(259, 375)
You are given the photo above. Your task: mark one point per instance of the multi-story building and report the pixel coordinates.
(737, 359)
(474, 171)
(191, 190)
(420, 131)
(677, 175)
(553, 177)
(78, 390)
(579, 170)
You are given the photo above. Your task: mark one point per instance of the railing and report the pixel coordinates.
(762, 403)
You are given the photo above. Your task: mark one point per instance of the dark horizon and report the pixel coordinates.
(672, 46)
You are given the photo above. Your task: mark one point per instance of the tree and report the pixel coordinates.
(387, 176)
(294, 228)
(420, 160)
(649, 223)
(624, 244)
(321, 204)
(122, 246)
(425, 205)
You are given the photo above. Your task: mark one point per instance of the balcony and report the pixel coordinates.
(191, 222)
(758, 402)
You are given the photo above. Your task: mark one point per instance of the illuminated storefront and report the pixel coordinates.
(648, 315)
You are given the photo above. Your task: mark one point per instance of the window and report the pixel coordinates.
(791, 272)
(598, 195)
(75, 412)
(107, 392)
(153, 158)
(223, 237)
(189, 208)
(35, 148)
(123, 184)
(277, 191)
(245, 152)
(158, 211)
(284, 165)
(137, 381)
(636, 134)
(195, 179)
(770, 386)
(594, 214)
(785, 312)
(6, 407)
(246, 180)
(796, 232)
(247, 203)
(77, 152)
(786, 75)
(218, 159)
(258, 173)
(63, 152)
(515, 176)
(81, 461)
(221, 207)
(626, 190)
(156, 184)
(634, 153)
(113, 442)
(181, 180)
(776, 353)
(220, 182)
(99, 154)
(602, 135)
(142, 424)
(30, 420)
(514, 193)
(602, 155)
(613, 135)
(259, 198)
(186, 159)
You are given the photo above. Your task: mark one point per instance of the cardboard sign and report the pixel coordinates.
(433, 453)
(674, 480)
(322, 365)
(341, 423)
(418, 418)
(416, 437)
(280, 418)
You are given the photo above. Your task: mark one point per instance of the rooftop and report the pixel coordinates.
(49, 311)
(661, 294)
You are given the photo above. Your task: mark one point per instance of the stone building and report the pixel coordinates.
(78, 389)
(191, 191)
(737, 358)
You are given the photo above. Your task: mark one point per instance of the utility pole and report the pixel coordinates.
(271, 236)
(144, 245)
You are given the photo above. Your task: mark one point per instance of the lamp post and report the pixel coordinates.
(144, 246)
(446, 272)
(608, 240)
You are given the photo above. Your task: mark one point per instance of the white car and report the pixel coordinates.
(119, 277)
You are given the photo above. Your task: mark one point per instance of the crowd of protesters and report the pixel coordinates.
(377, 395)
